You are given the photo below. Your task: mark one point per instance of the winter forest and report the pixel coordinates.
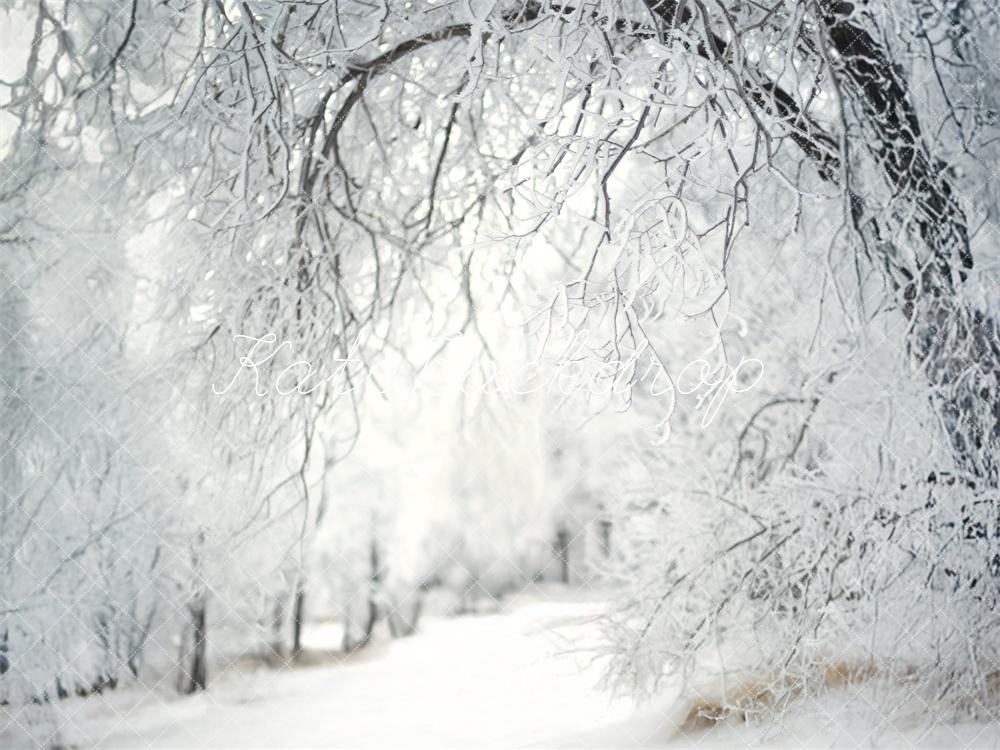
(499, 373)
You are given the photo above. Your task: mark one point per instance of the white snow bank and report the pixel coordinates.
(519, 679)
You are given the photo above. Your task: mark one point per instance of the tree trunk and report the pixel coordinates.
(959, 350)
(956, 347)
(12, 411)
(350, 642)
(562, 554)
(298, 618)
(375, 584)
(278, 628)
(195, 678)
(605, 526)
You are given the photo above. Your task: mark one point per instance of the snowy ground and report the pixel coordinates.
(517, 679)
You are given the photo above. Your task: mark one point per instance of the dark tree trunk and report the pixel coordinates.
(298, 618)
(959, 350)
(139, 635)
(956, 347)
(351, 643)
(562, 554)
(195, 677)
(404, 623)
(605, 526)
(375, 584)
(278, 628)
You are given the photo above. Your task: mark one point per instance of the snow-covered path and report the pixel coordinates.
(519, 679)
(489, 681)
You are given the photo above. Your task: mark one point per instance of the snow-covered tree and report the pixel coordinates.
(781, 209)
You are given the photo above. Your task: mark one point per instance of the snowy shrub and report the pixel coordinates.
(808, 536)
